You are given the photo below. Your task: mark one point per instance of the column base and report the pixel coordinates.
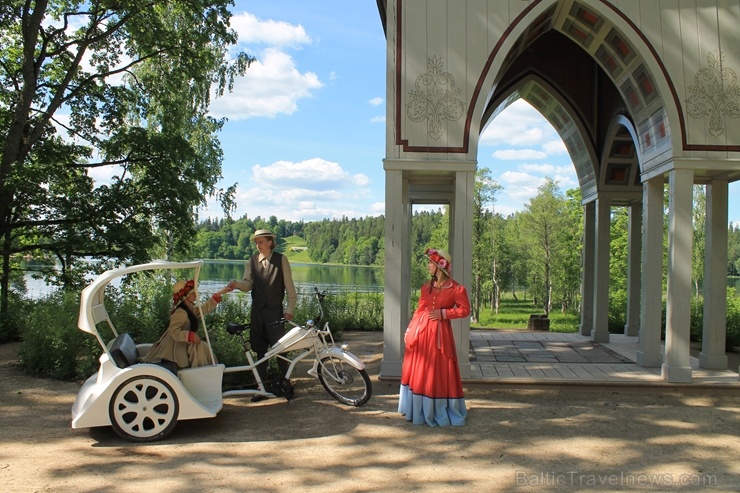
(713, 361)
(631, 331)
(584, 330)
(600, 336)
(391, 369)
(676, 374)
(649, 360)
(465, 369)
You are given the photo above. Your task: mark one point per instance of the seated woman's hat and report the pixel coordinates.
(263, 232)
(181, 289)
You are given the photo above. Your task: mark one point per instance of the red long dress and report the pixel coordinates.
(431, 387)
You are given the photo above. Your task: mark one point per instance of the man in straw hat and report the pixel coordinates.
(267, 275)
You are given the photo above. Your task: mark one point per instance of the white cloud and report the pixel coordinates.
(519, 186)
(377, 119)
(252, 30)
(377, 101)
(308, 190)
(565, 182)
(518, 125)
(564, 176)
(271, 86)
(543, 169)
(554, 147)
(519, 154)
(513, 134)
(313, 174)
(518, 178)
(377, 208)
(505, 210)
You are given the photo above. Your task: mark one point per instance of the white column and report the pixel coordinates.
(712, 356)
(651, 294)
(461, 246)
(634, 262)
(397, 271)
(588, 270)
(600, 330)
(676, 366)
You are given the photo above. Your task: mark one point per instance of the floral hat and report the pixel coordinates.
(441, 258)
(181, 289)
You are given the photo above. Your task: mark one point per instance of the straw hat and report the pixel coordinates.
(441, 259)
(181, 289)
(263, 232)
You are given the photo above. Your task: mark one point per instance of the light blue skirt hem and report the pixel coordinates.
(420, 409)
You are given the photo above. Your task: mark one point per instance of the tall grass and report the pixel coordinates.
(54, 347)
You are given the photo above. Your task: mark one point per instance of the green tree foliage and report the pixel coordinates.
(118, 85)
(513, 267)
(485, 275)
(502, 262)
(568, 270)
(699, 241)
(429, 229)
(544, 220)
(618, 257)
(229, 239)
(733, 250)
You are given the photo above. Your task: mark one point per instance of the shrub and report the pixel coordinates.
(732, 337)
(15, 318)
(52, 344)
(617, 311)
(733, 319)
(141, 306)
(349, 310)
(696, 320)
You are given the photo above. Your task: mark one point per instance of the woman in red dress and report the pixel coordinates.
(431, 387)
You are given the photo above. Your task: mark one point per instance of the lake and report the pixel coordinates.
(216, 273)
(333, 278)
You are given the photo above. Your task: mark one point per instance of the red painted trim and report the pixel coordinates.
(684, 144)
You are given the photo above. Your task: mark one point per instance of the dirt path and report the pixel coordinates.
(559, 439)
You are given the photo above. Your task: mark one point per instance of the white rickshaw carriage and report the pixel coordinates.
(144, 401)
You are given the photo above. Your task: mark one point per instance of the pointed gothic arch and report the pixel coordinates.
(593, 65)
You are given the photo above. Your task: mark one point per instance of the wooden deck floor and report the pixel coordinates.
(508, 357)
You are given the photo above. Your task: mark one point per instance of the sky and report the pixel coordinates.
(305, 137)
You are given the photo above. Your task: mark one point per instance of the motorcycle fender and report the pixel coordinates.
(346, 356)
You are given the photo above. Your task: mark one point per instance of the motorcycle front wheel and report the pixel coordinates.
(344, 382)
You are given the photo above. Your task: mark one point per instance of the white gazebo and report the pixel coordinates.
(642, 93)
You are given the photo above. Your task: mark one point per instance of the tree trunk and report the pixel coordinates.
(5, 284)
(475, 316)
(495, 294)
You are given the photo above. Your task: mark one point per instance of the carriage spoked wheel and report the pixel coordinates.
(144, 409)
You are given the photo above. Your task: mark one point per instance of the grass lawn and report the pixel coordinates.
(294, 247)
(514, 314)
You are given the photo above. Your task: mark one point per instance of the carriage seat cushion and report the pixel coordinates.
(123, 351)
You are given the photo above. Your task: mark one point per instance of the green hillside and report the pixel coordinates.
(294, 247)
